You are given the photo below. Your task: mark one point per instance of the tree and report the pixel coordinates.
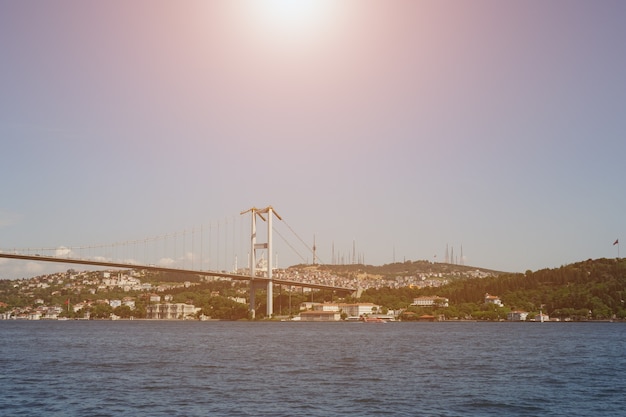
(224, 308)
(101, 311)
(123, 311)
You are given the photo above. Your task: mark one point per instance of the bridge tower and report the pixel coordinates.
(270, 212)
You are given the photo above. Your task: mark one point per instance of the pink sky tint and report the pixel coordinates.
(408, 124)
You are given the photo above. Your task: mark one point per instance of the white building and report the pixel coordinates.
(492, 299)
(308, 305)
(517, 316)
(169, 311)
(320, 315)
(430, 301)
(359, 309)
(128, 301)
(351, 310)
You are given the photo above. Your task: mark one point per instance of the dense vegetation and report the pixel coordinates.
(593, 289)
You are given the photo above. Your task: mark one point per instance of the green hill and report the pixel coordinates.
(406, 268)
(592, 289)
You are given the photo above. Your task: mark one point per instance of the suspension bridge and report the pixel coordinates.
(193, 252)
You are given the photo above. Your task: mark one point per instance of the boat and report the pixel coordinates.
(373, 320)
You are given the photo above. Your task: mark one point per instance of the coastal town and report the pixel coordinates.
(134, 294)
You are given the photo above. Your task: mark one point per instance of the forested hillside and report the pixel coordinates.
(593, 289)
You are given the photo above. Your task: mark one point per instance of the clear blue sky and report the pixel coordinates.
(402, 126)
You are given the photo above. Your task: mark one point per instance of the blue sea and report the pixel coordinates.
(158, 368)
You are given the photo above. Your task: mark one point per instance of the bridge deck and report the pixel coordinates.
(239, 277)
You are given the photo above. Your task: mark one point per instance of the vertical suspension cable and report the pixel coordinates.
(164, 246)
(241, 239)
(226, 243)
(234, 247)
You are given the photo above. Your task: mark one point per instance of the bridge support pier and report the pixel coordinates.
(270, 284)
(269, 211)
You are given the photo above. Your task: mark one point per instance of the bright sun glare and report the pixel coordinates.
(286, 11)
(293, 18)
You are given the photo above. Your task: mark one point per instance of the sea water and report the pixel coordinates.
(163, 368)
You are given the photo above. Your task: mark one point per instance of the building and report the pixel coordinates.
(129, 301)
(355, 310)
(492, 299)
(360, 309)
(169, 311)
(327, 307)
(517, 316)
(320, 315)
(351, 310)
(308, 305)
(430, 301)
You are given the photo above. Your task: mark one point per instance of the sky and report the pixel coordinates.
(396, 130)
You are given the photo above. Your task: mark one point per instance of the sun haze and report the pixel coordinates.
(394, 129)
(288, 20)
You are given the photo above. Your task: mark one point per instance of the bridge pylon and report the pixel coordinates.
(270, 212)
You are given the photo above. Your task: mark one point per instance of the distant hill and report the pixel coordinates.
(390, 271)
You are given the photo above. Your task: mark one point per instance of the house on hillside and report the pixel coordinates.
(430, 301)
(129, 301)
(492, 299)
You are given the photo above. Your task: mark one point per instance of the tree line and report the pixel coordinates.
(592, 289)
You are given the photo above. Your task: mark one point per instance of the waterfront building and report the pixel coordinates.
(353, 310)
(171, 311)
(320, 315)
(517, 315)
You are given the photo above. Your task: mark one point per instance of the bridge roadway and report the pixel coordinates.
(40, 258)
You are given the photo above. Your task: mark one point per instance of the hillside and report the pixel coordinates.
(396, 275)
(592, 289)
(408, 268)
